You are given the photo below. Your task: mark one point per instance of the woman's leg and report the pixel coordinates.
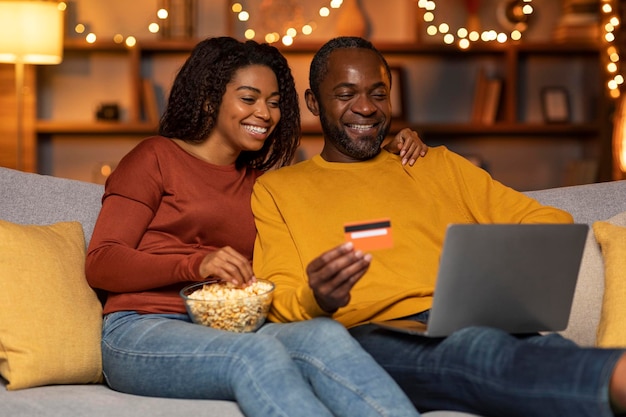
(343, 375)
(490, 372)
(167, 356)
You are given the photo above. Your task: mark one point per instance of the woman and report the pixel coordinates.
(177, 210)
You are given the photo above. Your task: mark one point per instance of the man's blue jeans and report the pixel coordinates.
(489, 372)
(312, 368)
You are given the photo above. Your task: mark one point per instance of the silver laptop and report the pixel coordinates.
(519, 278)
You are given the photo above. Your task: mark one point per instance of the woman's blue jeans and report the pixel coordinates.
(312, 368)
(489, 372)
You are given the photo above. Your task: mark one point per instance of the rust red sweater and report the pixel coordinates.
(162, 211)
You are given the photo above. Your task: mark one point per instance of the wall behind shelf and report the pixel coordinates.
(73, 90)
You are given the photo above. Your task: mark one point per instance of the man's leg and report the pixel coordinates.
(489, 372)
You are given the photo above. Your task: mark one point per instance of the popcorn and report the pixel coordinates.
(227, 307)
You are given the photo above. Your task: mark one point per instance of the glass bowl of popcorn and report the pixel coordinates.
(224, 306)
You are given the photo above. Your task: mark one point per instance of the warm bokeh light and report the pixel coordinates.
(272, 37)
(105, 170)
(610, 22)
(90, 38)
(243, 16)
(489, 35)
(287, 35)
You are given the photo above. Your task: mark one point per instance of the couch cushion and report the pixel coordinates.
(97, 400)
(50, 319)
(42, 199)
(585, 312)
(587, 204)
(100, 401)
(611, 235)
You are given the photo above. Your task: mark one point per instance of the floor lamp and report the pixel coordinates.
(31, 32)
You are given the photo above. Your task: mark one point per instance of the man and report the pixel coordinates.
(300, 212)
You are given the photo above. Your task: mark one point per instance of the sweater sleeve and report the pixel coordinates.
(490, 201)
(276, 258)
(113, 261)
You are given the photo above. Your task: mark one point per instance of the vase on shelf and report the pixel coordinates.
(352, 20)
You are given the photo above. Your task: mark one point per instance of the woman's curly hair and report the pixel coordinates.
(197, 92)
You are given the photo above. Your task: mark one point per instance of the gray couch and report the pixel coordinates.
(37, 199)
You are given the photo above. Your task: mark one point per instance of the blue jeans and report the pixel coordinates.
(312, 368)
(492, 373)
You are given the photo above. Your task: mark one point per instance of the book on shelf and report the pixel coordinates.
(150, 102)
(487, 95)
(479, 96)
(493, 90)
(579, 22)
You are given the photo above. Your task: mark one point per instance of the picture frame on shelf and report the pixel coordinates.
(555, 104)
(397, 95)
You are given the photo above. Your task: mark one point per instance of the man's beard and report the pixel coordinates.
(365, 148)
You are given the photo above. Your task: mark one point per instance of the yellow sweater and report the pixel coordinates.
(300, 212)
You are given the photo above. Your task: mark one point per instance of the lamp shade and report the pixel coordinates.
(31, 32)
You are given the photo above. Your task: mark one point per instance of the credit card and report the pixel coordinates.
(369, 235)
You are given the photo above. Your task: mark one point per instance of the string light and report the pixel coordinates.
(287, 35)
(610, 23)
(130, 41)
(463, 36)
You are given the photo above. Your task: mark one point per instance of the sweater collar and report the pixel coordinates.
(377, 160)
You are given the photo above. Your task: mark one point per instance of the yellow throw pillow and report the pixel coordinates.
(50, 319)
(612, 327)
